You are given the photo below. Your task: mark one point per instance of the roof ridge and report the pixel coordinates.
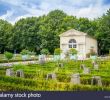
(72, 30)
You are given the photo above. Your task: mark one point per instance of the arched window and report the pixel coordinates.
(72, 43)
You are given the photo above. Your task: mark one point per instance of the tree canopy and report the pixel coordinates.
(36, 33)
(5, 35)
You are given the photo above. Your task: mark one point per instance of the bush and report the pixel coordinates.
(57, 51)
(45, 51)
(24, 52)
(32, 53)
(73, 51)
(8, 55)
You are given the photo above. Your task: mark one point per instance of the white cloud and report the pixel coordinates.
(13, 2)
(8, 14)
(80, 8)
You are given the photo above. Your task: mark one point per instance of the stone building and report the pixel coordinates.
(81, 41)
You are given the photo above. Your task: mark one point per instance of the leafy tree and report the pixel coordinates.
(36, 33)
(103, 33)
(8, 55)
(50, 28)
(87, 26)
(25, 34)
(45, 51)
(5, 34)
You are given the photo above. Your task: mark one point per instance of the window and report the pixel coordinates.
(72, 43)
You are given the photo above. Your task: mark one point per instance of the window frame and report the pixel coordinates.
(72, 43)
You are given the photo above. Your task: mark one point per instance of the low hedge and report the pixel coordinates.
(6, 86)
(20, 84)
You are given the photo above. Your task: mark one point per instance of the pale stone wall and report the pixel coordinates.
(91, 42)
(84, 42)
(65, 40)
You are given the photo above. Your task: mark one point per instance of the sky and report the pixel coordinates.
(13, 10)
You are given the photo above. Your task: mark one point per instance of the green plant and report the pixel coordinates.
(31, 53)
(73, 51)
(24, 52)
(45, 51)
(35, 77)
(57, 51)
(8, 55)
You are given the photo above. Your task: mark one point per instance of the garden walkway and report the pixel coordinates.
(16, 63)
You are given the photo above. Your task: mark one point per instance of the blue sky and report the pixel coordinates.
(13, 10)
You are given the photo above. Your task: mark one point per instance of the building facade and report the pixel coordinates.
(78, 40)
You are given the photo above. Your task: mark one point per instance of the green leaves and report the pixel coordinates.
(36, 33)
(103, 33)
(24, 52)
(73, 51)
(8, 55)
(45, 51)
(57, 51)
(5, 35)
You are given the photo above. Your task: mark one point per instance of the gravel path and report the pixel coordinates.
(16, 63)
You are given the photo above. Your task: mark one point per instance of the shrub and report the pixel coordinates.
(24, 52)
(8, 55)
(57, 51)
(31, 53)
(73, 51)
(45, 51)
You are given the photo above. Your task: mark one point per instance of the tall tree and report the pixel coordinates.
(50, 28)
(103, 33)
(25, 34)
(5, 35)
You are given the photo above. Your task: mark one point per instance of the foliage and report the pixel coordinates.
(35, 77)
(109, 52)
(31, 53)
(5, 35)
(73, 51)
(24, 52)
(57, 51)
(102, 33)
(45, 51)
(36, 33)
(8, 55)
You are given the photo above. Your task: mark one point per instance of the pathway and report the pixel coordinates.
(16, 63)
